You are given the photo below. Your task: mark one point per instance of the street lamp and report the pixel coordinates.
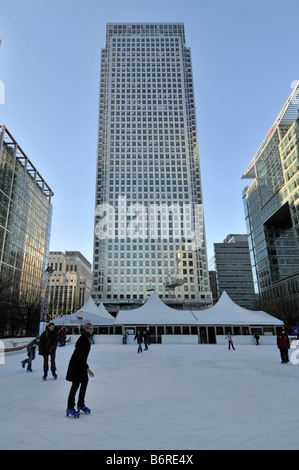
(44, 305)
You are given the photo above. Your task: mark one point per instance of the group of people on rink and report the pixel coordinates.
(78, 371)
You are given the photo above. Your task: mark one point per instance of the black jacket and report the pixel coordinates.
(77, 369)
(48, 341)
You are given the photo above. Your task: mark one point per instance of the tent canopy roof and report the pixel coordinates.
(88, 313)
(155, 312)
(225, 312)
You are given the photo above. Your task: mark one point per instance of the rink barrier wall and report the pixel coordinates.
(247, 339)
(181, 339)
(165, 339)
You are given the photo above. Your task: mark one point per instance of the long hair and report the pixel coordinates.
(82, 327)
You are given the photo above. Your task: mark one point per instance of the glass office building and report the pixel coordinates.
(271, 205)
(148, 188)
(25, 220)
(233, 270)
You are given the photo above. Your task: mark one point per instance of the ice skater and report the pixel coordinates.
(78, 372)
(30, 353)
(47, 348)
(230, 340)
(145, 340)
(283, 344)
(62, 336)
(138, 336)
(257, 339)
(125, 337)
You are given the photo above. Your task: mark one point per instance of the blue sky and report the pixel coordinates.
(244, 58)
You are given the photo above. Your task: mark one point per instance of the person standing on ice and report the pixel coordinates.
(230, 340)
(283, 344)
(138, 336)
(47, 347)
(78, 371)
(30, 353)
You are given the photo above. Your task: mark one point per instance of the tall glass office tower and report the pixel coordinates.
(149, 226)
(272, 207)
(25, 221)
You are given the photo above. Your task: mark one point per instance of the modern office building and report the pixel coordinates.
(25, 220)
(271, 205)
(69, 282)
(149, 227)
(233, 270)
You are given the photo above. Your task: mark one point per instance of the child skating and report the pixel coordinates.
(30, 353)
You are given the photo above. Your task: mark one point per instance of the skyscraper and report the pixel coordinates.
(149, 228)
(25, 221)
(233, 270)
(272, 207)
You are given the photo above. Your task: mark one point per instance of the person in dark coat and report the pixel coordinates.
(283, 344)
(139, 338)
(47, 347)
(145, 340)
(257, 339)
(78, 371)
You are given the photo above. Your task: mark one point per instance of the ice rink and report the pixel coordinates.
(171, 397)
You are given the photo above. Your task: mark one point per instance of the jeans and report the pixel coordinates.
(30, 359)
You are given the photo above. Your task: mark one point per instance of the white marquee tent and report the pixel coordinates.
(88, 313)
(155, 312)
(227, 312)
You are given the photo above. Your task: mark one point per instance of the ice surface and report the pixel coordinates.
(171, 397)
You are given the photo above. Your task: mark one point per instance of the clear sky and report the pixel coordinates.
(244, 58)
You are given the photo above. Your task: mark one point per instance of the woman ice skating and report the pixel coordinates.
(78, 372)
(30, 353)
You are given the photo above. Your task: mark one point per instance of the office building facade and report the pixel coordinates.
(68, 285)
(25, 221)
(272, 208)
(233, 270)
(148, 188)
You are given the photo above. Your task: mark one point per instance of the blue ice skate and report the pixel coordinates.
(29, 369)
(54, 375)
(45, 376)
(84, 409)
(23, 363)
(72, 412)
